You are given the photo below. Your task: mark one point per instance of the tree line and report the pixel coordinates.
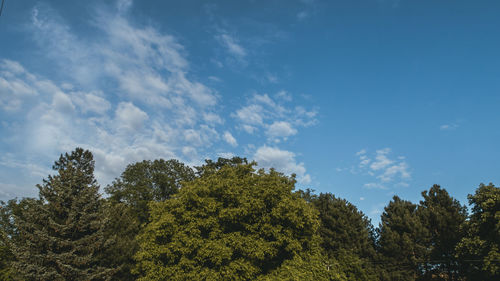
(227, 220)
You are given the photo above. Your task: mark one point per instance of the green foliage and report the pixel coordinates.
(7, 233)
(122, 225)
(402, 240)
(346, 235)
(227, 221)
(212, 167)
(480, 248)
(343, 227)
(313, 266)
(127, 208)
(233, 223)
(61, 234)
(147, 181)
(442, 216)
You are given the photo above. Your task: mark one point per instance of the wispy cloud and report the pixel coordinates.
(228, 137)
(231, 44)
(151, 110)
(126, 92)
(448, 127)
(383, 169)
(274, 117)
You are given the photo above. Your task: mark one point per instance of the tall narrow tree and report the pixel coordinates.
(442, 216)
(61, 233)
(402, 240)
(346, 235)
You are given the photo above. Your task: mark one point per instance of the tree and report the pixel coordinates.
(442, 216)
(234, 223)
(127, 206)
(347, 235)
(211, 167)
(61, 233)
(7, 233)
(147, 181)
(480, 248)
(402, 240)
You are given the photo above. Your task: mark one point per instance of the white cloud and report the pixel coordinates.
(283, 161)
(232, 45)
(230, 139)
(91, 102)
(385, 170)
(278, 120)
(381, 160)
(130, 117)
(392, 171)
(448, 127)
(62, 103)
(251, 114)
(249, 129)
(361, 152)
(16, 86)
(125, 92)
(227, 155)
(284, 95)
(280, 129)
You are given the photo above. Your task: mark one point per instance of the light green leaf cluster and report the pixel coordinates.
(233, 224)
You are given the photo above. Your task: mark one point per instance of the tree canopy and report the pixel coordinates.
(227, 220)
(233, 224)
(480, 247)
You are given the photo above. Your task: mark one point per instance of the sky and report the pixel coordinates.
(365, 99)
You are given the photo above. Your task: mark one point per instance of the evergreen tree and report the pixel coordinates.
(61, 233)
(7, 234)
(402, 240)
(347, 236)
(480, 248)
(442, 216)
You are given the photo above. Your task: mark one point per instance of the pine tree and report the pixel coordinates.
(61, 233)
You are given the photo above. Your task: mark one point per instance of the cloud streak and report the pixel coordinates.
(383, 169)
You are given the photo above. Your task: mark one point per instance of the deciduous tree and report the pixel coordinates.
(234, 223)
(480, 248)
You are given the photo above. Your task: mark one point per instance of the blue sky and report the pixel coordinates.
(364, 99)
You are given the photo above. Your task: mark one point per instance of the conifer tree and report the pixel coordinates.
(347, 235)
(402, 240)
(442, 216)
(61, 233)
